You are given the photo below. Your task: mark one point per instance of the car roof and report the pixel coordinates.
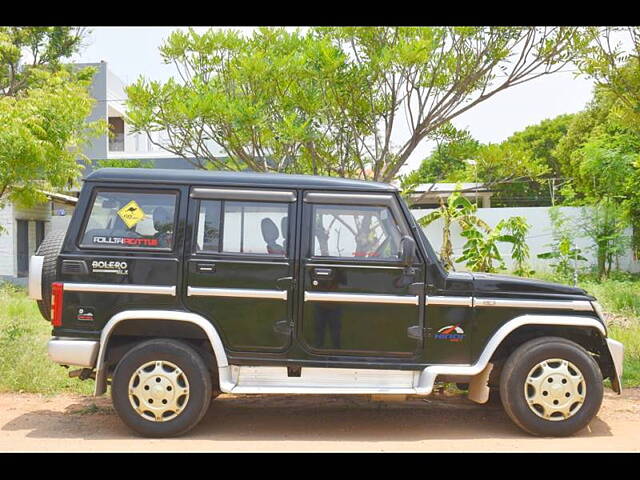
(237, 179)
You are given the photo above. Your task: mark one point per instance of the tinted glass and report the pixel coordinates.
(131, 220)
(245, 227)
(208, 229)
(358, 231)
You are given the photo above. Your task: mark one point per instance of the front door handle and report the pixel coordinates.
(206, 267)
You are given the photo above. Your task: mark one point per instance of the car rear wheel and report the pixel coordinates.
(551, 386)
(161, 388)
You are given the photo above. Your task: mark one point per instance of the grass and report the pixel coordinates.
(24, 364)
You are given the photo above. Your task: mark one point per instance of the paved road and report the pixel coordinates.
(309, 423)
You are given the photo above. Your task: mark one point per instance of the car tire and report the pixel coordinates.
(169, 368)
(538, 376)
(49, 249)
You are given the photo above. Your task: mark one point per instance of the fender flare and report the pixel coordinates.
(174, 315)
(429, 374)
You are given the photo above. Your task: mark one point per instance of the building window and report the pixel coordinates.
(116, 137)
(39, 232)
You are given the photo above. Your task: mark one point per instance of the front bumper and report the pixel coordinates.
(72, 351)
(616, 350)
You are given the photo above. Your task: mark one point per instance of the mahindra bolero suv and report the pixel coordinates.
(173, 286)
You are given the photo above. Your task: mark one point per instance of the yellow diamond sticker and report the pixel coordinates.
(131, 214)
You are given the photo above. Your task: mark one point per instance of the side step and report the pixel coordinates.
(249, 379)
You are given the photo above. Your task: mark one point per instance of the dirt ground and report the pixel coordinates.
(441, 422)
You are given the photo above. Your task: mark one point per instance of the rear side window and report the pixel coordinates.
(126, 220)
(258, 228)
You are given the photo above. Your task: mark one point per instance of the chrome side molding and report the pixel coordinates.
(236, 293)
(576, 305)
(244, 194)
(450, 300)
(579, 305)
(120, 288)
(360, 298)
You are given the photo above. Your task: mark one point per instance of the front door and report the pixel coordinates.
(239, 265)
(357, 297)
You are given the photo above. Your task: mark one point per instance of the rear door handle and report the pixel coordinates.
(206, 267)
(322, 273)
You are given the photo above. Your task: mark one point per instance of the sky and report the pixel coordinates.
(133, 51)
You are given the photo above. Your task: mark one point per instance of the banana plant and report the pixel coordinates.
(481, 250)
(458, 210)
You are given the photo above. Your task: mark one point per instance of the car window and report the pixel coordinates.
(355, 231)
(125, 220)
(242, 227)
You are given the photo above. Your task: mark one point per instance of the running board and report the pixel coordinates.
(250, 379)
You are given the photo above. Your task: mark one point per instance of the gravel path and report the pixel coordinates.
(309, 423)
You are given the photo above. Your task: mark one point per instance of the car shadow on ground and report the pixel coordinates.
(300, 418)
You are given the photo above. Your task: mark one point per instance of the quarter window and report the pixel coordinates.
(126, 220)
(355, 231)
(242, 227)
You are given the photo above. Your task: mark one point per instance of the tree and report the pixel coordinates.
(330, 100)
(27, 52)
(605, 224)
(43, 108)
(523, 169)
(602, 157)
(615, 67)
(453, 149)
(563, 249)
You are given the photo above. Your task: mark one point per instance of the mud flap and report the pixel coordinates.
(478, 386)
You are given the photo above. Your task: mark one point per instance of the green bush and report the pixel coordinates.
(24, 364)
(620, 296)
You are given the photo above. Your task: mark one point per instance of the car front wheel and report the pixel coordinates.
(161, 388)
(551, 386)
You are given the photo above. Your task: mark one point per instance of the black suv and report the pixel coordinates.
(173, 286)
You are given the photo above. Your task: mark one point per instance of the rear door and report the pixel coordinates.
(357, 297)
(239, 267)
(124, 254)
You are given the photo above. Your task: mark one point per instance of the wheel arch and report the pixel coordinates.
(587, 332)
(514, 329)
(160, 323)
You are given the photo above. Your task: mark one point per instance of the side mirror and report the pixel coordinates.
(407, 250)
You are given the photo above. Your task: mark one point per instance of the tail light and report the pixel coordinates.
(57, 294)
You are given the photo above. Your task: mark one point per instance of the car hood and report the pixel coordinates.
(488, 284)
